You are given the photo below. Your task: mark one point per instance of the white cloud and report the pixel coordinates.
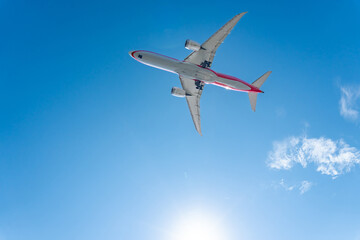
(305, 186)
(349, 102)
(285, 186)
(329, 157)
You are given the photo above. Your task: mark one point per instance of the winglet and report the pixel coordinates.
(240, 15)
(198, 127)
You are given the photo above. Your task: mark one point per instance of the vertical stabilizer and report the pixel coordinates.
(253, 97)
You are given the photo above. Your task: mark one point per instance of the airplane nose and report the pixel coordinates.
(130, 53)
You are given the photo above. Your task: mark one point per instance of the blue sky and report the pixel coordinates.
(93, 145)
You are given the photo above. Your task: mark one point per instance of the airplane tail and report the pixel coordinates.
(258, 83)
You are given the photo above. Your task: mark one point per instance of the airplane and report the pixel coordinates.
(194, 72)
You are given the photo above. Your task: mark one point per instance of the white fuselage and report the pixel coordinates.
(191, 71)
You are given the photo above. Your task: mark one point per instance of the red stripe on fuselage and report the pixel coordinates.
(225, 86)
(221, 75)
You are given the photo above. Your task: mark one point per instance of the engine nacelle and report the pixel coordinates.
(192, 45)
(178, 92)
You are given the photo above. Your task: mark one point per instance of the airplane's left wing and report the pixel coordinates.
(193, 89)
(205, 55)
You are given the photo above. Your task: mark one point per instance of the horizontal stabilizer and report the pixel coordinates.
(260, 81)
(253, 97)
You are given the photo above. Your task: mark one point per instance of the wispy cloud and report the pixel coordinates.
(350, 102)
(303, 186)
(285, 186)
(329, 157)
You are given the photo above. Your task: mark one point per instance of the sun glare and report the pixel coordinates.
(198, 226)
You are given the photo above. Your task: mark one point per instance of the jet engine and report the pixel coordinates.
(192, 45)
(178, 92)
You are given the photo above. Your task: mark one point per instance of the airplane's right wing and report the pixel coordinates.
(193, 89)
(205, 55)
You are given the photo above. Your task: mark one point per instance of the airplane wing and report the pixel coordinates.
(205, 55)
(193, 89)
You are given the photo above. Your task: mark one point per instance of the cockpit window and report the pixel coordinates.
(140, 56)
